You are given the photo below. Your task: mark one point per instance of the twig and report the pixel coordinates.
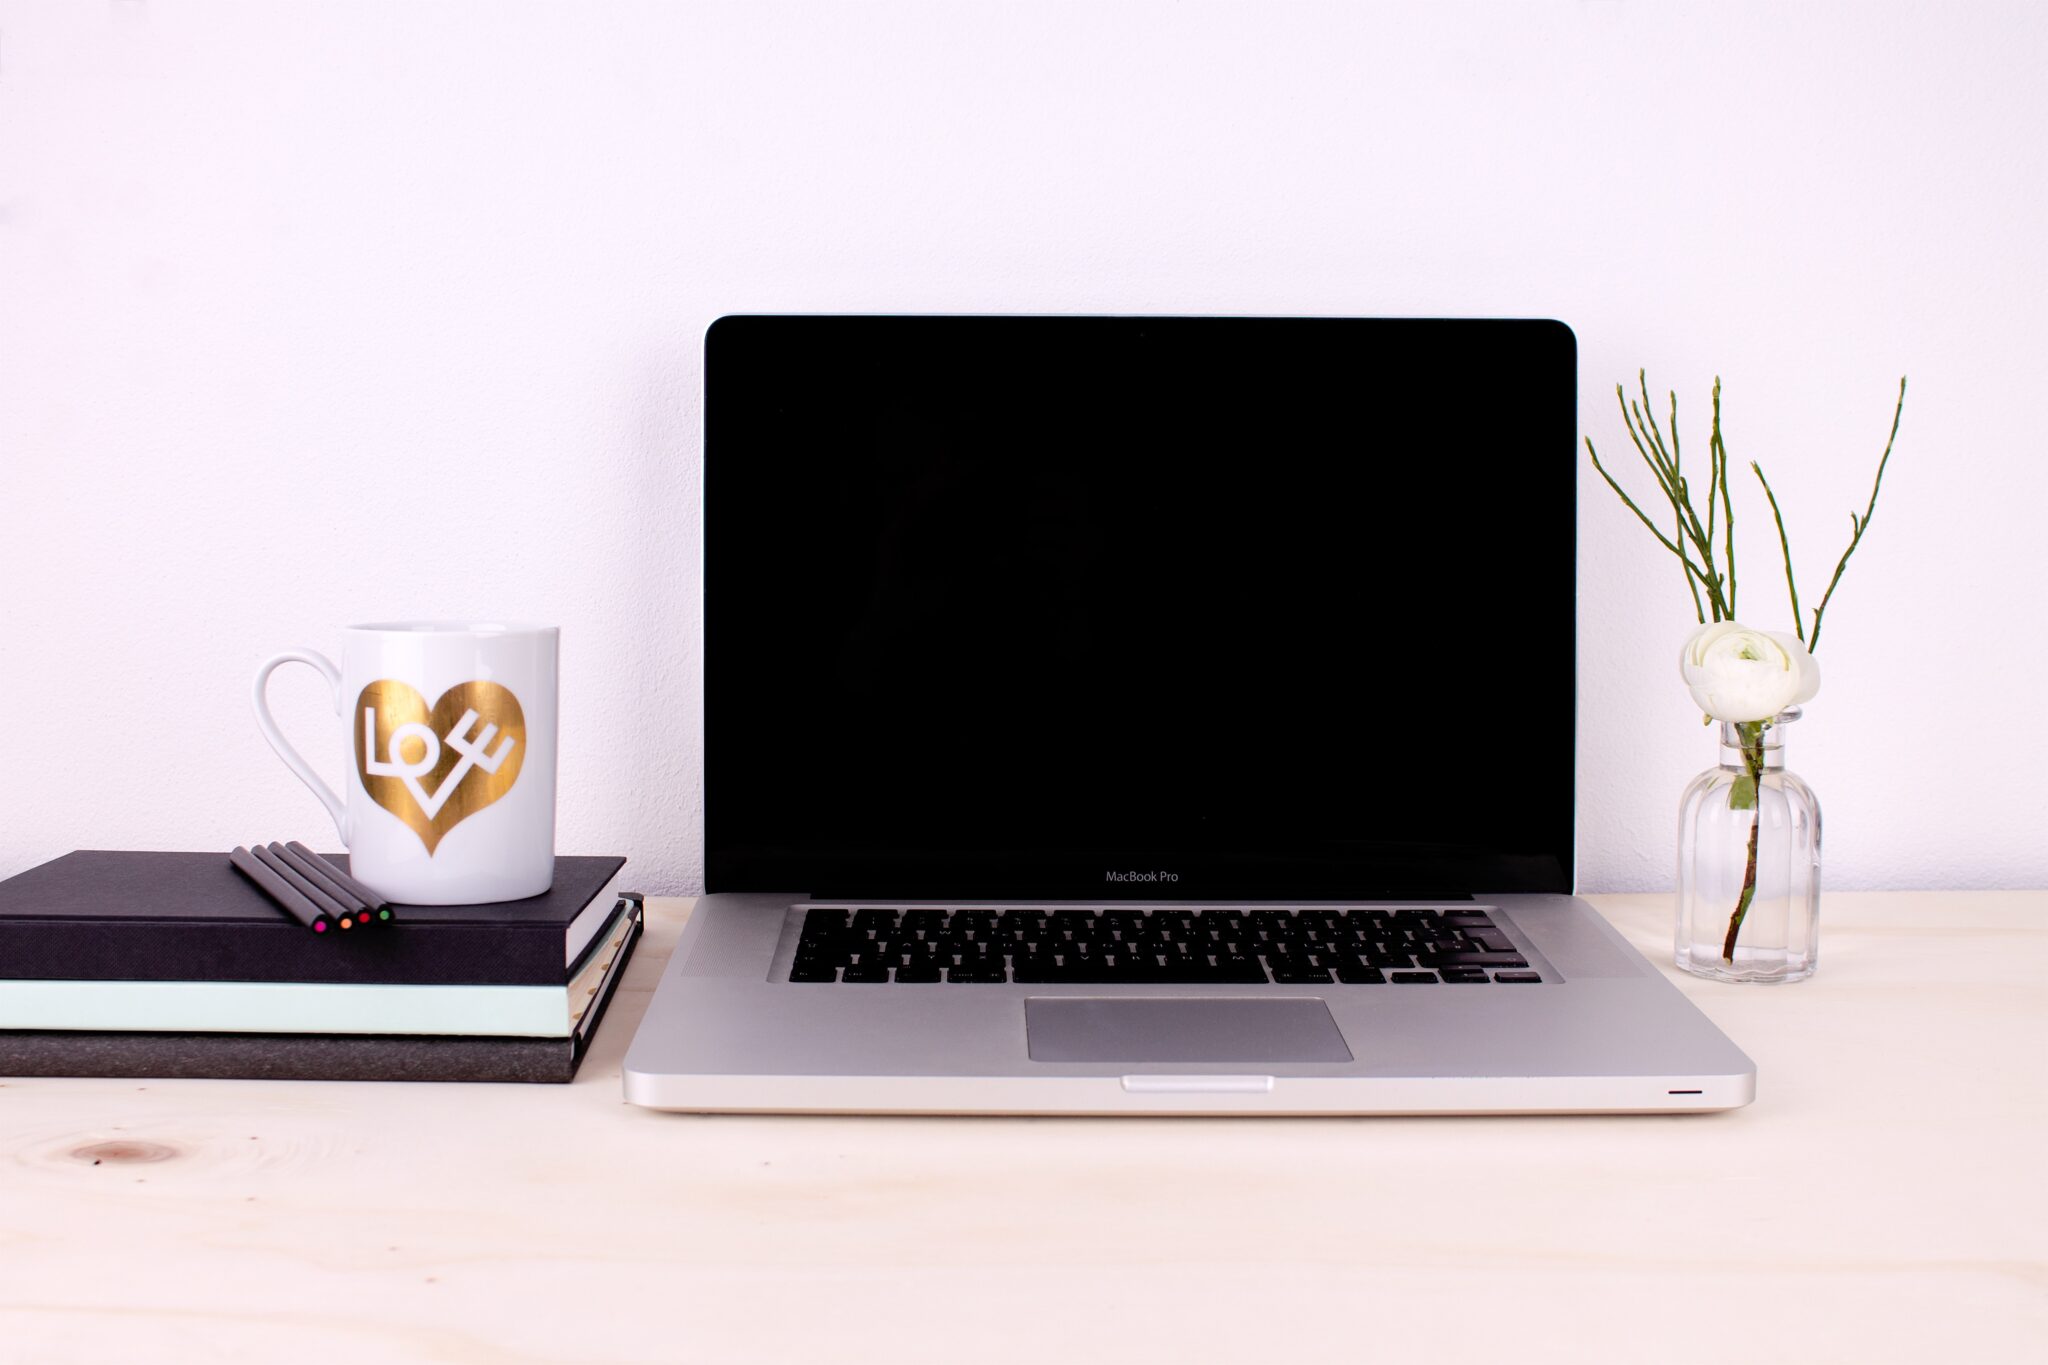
(1642, 427)
(1713, 466)
(1752, 733)
(1862, 523)
(1785, 544)
(1679, 531)
(1691, 571)
(1646, 418)
(1678, 518)
(1720, 448)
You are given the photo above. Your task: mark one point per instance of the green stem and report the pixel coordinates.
(1649, 440)
(1720, 453)
(1751, 786)
(1692, 571)
(1699, 611)
(1785, 544)
(1678, 469)
(1862, 523)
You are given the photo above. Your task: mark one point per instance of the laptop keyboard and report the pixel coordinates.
(1166, 946)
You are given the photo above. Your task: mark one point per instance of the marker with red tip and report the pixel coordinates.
(295, 896)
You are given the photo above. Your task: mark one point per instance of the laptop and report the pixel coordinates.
(1149, 715)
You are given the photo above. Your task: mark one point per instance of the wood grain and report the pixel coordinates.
(1882, 1201)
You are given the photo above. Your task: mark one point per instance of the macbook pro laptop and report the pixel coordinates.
(1111, 715)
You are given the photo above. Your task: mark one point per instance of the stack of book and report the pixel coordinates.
(176, 965)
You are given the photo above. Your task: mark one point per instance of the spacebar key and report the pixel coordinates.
(1198, 974)
(1469, 959)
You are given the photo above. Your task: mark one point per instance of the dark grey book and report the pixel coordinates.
(117, 915)
(314, 1057)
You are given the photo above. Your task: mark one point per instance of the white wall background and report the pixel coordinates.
(316, 313)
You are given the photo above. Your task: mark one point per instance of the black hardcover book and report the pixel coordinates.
(105, 915)
(313, 1057)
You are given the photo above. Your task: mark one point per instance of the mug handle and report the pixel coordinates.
(292, 758)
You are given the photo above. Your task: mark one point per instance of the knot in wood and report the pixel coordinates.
(124, 1150)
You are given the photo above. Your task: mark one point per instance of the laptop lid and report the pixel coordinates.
(1083, 608)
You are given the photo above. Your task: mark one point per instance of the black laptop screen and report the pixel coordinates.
(1085, 608)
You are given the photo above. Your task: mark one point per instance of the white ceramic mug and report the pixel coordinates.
(451, 750)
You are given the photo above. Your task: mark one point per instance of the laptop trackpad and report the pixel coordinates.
(1289, 1029)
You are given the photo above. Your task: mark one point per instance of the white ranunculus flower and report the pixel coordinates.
(1739, 674)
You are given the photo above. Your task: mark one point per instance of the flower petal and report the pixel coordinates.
(1809, 667)
(1738, 674)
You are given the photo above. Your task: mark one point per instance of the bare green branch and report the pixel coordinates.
(1642, 427)
(1785, 544)
(1704, 549)
(1691, 570)
(1672, 486)
(1727, 504)
(1862, 523)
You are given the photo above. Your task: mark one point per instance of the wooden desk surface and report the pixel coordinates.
(1884, 1199)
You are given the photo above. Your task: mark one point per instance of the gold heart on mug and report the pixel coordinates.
(434, 768)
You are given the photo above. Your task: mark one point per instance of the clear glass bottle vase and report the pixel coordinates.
(1749, 862)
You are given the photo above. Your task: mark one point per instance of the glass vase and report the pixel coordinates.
(1749, 862)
